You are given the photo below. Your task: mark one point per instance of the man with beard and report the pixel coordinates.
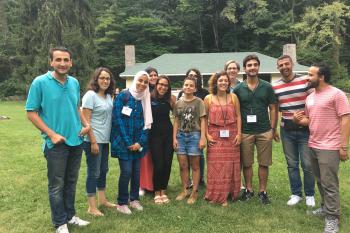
(232, 68)
(53, 107)
(291, 91)
(327, 114)
(256, 97)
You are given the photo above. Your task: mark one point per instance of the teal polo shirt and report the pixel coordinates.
(57, 105)
(255, 102)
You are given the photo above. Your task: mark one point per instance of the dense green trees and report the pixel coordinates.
(97, 30)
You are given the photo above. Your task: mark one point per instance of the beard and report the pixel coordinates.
(313, 84)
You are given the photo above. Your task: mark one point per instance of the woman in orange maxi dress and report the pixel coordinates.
(224, 137)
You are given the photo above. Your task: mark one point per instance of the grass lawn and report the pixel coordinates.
(24, 205)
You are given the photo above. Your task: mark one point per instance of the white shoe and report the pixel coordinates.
(136, 205)
(124, 209)
(141, 192)
(62, 229)
(310, 201)
(79, 222)
(294, 199)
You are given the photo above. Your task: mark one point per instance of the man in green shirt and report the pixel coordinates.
(256, 98)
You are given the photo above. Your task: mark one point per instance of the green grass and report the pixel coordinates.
(24, 205)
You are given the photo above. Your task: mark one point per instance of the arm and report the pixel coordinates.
(86, 126)
(345, 132)
(172, 101)
(273, 120)
(238, 138)
(94, 147)
(300, 118)
(202, 140)
(39, 123)
(175, 128)
(210, 139)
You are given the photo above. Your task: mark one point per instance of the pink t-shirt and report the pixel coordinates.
(325, 109)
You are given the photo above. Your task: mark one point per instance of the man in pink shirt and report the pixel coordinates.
(327, 114)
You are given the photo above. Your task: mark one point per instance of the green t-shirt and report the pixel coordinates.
(255, 103)
(189, 114)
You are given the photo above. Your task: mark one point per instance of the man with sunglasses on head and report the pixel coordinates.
(259, 119)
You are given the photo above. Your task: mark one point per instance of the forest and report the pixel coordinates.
(97, 30)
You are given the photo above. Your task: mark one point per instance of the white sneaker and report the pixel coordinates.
(294, 199)
(79, 222)
(310, 201)
(141, 192)
(62, 229)
(331, 224)
(124, 209)
(136, 205)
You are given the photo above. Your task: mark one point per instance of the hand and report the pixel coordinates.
(343, 154)
(57, 138)
(135, 147)
(276, 136)
(210, 140)
(202, 143)
(175, 144)
(94, 148)
(85, 130)
(238, 139)
(298, 116)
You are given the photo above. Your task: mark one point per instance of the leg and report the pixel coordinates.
(56, 159)
(93, 162)
(264, 151)
(156, 148)
(183, 164)
(135, 180)
(195, 165)
(124, 179)
(291, 152)
(101, 183)
(304, 151)
(168, 159)
(316, 172)
(72, 173)
(329, 166)
(247, 159)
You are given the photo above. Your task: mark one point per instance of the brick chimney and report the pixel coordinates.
(290, 49)
(130, 55)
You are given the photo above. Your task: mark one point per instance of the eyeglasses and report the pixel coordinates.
(104, 79)
(163, 85)
(192, 76)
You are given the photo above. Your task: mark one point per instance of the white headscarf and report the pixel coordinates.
(145, 98)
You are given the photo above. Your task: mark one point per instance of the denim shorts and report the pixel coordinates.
(187, 143)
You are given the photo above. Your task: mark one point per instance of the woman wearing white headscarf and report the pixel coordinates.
(131, 120)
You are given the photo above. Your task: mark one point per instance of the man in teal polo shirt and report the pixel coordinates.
(256, 98)
(53, 107)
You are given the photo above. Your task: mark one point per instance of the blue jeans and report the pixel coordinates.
(63, 164)
(129, 171)
(296, 149)
(97, 168)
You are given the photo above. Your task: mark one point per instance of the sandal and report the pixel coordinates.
(165, 199)
(158, 200)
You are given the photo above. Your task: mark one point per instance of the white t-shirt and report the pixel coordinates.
(101, 115)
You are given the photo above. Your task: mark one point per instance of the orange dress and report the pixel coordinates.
(146, 172)
(223, 158)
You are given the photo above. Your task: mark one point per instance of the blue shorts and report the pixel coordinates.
(187, 143)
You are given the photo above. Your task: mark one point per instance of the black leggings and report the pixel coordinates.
(162, 156)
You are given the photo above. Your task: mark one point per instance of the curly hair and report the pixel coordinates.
(213, 82)
(93, 84)
(199, 78)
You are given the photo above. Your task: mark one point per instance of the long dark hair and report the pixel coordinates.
(93, 84)
(167, 95)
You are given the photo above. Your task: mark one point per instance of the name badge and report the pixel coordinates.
(251, 118)
(126, 110)
(224, 133)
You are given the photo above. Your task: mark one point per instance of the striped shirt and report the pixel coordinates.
(325, 109)
(291, 95)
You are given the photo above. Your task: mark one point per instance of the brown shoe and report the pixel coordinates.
(193, 198)
(182, 195)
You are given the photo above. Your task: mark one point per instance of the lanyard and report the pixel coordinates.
(222, 110)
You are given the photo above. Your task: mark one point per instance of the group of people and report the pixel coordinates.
(230, 121)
